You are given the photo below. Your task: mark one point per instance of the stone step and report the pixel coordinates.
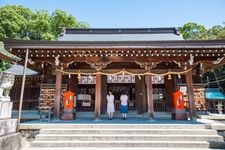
(125, 126)
(181, 144)
(127, 137)
(120, 136)
(129, 131)
(120, 148)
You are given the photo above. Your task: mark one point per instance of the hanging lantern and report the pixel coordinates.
(169, 77)
(90, 77)
(42, 65)
(79, 76)
(110, 77)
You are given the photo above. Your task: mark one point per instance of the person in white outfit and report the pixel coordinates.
(110, 105)
(123, 105)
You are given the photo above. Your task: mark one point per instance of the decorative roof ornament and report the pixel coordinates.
(6, 55)
(31, 61)
(191, 60)
(178, 63)
(57, 60)
(217, 61)
(63, 31)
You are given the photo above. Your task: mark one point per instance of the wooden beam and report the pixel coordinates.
(137, 71)
(190, 94)
(57, 94)
(111, 59)
(150, 101)
(98, 96)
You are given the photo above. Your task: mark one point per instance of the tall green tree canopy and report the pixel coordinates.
(19, 22)
(22, 23)
(194, 31)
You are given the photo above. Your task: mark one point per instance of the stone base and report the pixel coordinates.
(5, 109)
(8, 126)
(179, 114)
(7, 99)
(68, 115)
(11, 142)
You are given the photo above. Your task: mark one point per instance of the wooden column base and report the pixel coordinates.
(179, 114)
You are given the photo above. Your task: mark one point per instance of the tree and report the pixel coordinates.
(40, 26)
(18, 22)
(60, 19)
(14, 21)
(22, 23)
(193, 31)
(216, 32)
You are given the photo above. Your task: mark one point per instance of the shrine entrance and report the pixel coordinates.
(117, 90)
(135, 88)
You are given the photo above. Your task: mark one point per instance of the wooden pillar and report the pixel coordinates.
(98, 96)
(73, 83)
(22, 90)
(190, 94)
(104, 94)
(58, 85)
(140, 94)
(76, 84)
(170, 87)
(150, 97)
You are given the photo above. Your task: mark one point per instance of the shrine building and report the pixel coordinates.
(147, 63)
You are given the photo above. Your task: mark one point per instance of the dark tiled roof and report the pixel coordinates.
(18, 70)
(120, 34)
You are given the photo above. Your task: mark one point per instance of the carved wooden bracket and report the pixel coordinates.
(98, 65)
(147, 65)
(209, 65)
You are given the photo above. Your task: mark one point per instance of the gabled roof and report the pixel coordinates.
(18, 70)
(120, 34)
(214, 94)
(5, 55)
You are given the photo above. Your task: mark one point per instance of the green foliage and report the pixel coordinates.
(39, 25)
(4, 65)
(194, 31)
(22, 23)
(59, 19)
(14, 21)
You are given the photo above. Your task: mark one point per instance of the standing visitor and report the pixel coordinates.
(124, 106)
(110, 105)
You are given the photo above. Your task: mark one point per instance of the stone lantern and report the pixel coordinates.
(220, 108)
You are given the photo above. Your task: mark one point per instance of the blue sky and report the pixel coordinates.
(134, 13)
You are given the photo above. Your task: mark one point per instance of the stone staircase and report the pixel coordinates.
(128, 136)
